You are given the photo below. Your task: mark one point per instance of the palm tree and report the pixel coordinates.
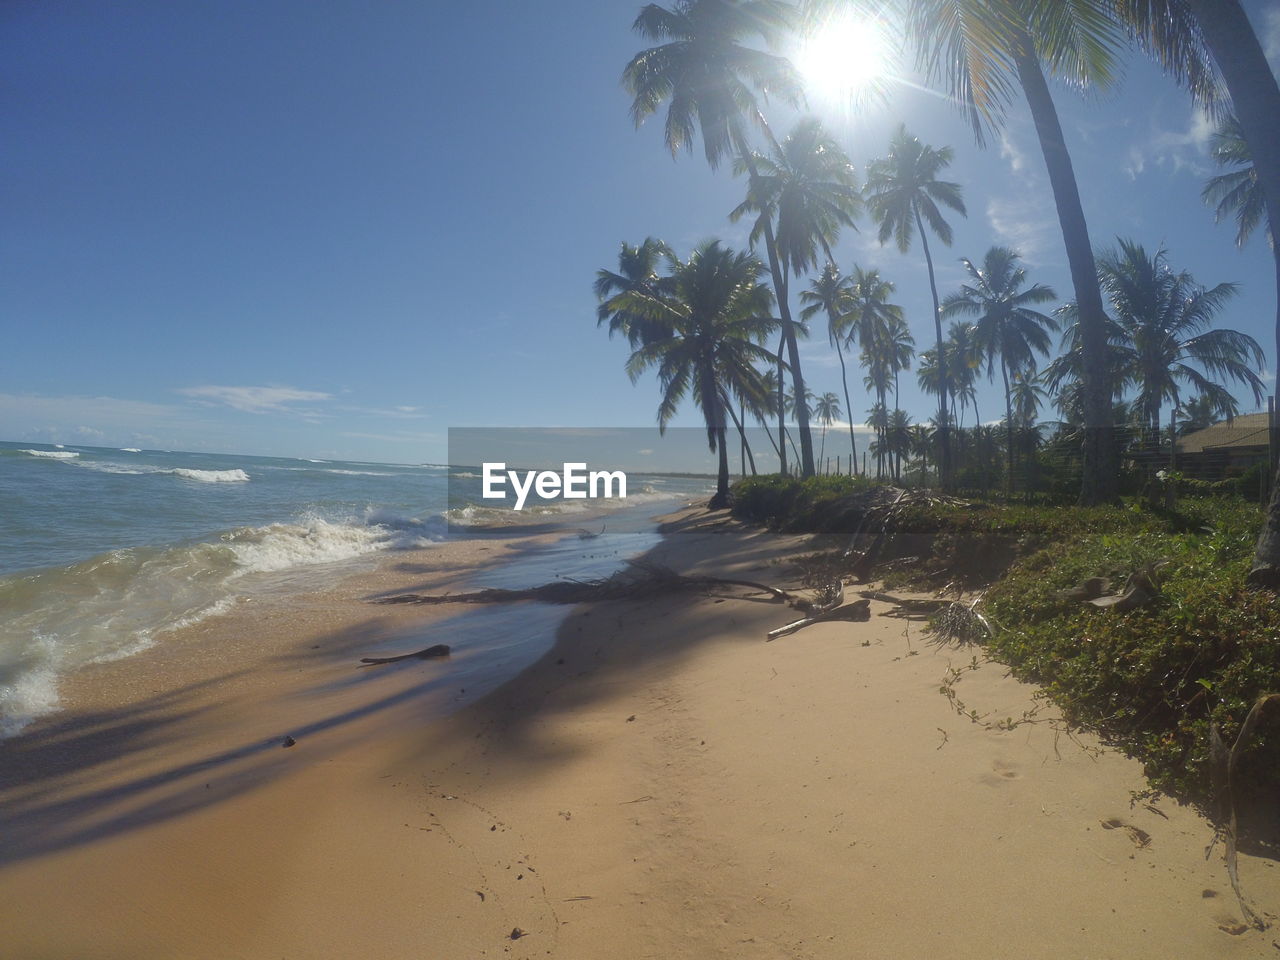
(1006, 325)
(708, 78)
(980, 50)
(903, 192)
(899, 439)
(964, 357)
(887, 349)
(1236, 193)
(1165, 321)
(1198, 413)
(827, 410)
(922, 440)
(801, 196)
(637, 273)
(1188, 37)
(830, 293)
(718, 314)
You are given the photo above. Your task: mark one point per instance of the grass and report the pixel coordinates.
(1151, 680)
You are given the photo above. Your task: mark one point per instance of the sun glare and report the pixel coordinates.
(844, 58)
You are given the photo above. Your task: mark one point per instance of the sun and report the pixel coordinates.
(844, 58)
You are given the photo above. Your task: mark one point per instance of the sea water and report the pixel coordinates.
(104, 551)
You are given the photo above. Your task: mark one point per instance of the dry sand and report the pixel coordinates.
(662, 784)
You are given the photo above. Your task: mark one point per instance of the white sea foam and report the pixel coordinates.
(282, 546)
(29, 687)
(360, 473)
(211, 476)
(130, 450)
(53, 454)
(142, 470)
(122, 602)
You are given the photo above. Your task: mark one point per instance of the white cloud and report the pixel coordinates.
(1024, 222)
(1174, 150)
(95, 420)
(1022, 216)
(1009, 151)
(255, 399)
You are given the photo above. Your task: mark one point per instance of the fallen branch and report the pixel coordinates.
(913, 604)
(855, 611)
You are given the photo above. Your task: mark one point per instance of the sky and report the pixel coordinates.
(338, 229)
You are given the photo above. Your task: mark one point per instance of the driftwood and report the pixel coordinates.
(637, 581)
(431, 653)
(857, 610)
(1223, 766)
(924, 605)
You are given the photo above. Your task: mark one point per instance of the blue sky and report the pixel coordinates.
(337, 229)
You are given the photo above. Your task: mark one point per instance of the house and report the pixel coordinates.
(1225, 449)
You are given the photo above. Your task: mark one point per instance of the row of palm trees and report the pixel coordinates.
(702, 324)
(981, 53)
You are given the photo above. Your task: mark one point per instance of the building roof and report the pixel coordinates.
(1249, 430)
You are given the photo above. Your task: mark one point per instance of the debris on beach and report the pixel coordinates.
(641, 579)
(430, 653)
(638, 580)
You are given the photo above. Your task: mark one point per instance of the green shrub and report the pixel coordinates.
(1151, 679)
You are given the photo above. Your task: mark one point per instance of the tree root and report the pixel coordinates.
(1223, 768)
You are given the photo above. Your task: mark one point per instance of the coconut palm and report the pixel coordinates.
(826, 409)
(887, 349)
(1188, 38)
(637, 273)
(899, 440)
(1006, 326)
(981, 51)
(1237, 193)
(709, 78)
(964, 358)
(1165, 323)
(1200, 412)
(922, 440)
(830, 294)
(802, 196)
(718, 314)
(705, 73)
(903, 192)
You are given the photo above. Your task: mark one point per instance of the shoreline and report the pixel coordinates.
(660, 783)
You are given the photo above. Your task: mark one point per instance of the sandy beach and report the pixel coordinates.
(662, 783)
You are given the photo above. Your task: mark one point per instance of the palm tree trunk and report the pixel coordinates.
(784, 311)
(1101, 471)
(1008, 420)
(1255, 97)
(721, 499)
(944, 384)
(782, 411)
(742, 433)
(844, 379)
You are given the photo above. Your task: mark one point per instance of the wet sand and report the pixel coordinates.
(662, 783)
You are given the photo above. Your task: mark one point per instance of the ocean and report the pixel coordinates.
(103, 551)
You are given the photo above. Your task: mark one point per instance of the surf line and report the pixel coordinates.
(573, 482)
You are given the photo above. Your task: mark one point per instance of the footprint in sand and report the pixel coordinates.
(1001, 772)
(1139, 836)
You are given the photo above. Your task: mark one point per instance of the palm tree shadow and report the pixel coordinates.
(86, 777)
